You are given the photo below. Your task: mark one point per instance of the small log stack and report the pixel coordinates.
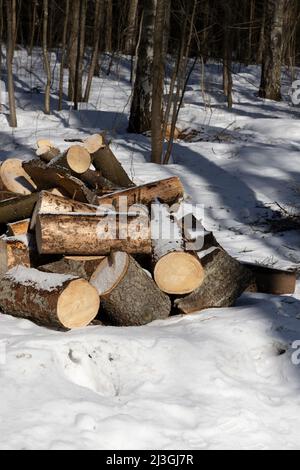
(80, 240)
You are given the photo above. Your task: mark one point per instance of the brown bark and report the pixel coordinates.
(92, 235)
(46, 177)
(224, 281)
(52, 300)
(63, 55)
(158, 83)
(105, 161)
(270, 87)
(273, 281)
(11, 21)
(46, 57)
(17, 208)
(129, 297)
(83, 267)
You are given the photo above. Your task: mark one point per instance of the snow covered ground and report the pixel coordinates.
(218, 379)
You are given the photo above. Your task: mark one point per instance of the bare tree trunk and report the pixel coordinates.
(63, 56)
(227, 57)
(73, 46)
(158, 83)
(130, 39)
(33, 26)
(11, 15)
(95, 53)
(109, 21)
(270, 87)
(140, 114)
(46, 57)
(1, 38)
(80, 54)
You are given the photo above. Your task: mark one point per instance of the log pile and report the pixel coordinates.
(81, 241)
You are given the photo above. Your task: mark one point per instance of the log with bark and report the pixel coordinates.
(13, 178)
(76, 159)
(168, 191)
(53, 300)
(49, 203)
(14, 251)
(93, 143)
(46, 177)
(175, 271)
(81, 266)
(225, 279)
(17, 208)
(47, 154)
(106, 162)
(273, 281)
(5, 195)
(92, 234)
(129, 296)
(96, 182)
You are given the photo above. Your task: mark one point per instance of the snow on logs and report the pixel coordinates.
(90, 234)
(53, 300)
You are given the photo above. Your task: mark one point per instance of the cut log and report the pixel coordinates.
(81, 266)
(13, 178)
(44, 143)
(92, 235)
(14, 251)
(18, 208)
(53, 300)
(167, 191)
(273, 281)
(175, 271)
(46, 177)
(16, 229)
(47, 154)
(77, 159)
(96, 182)
(50, 203)
(128, 294)
(105, 161)
(224, 281)
(94, 143)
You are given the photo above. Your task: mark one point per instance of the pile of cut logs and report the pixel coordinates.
(66, 262)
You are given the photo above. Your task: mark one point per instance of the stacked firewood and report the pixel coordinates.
(72, 253)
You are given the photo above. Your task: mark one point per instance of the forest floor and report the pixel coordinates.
(214, 380)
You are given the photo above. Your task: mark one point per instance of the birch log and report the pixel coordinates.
(225, 279)
(53, 300)
(128, 294)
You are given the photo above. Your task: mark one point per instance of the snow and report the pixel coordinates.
(37, 279)
(220, 379)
